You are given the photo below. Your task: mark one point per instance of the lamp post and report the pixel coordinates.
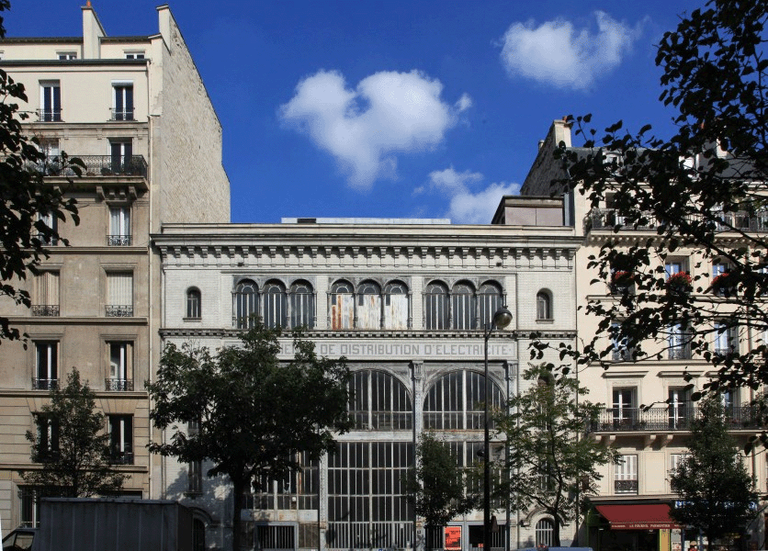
(501, 319)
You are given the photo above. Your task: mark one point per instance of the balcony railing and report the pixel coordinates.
(51, 310)
(49, 115)
(44, 384)
(670, 418)
(95, 165)
(115, 384)
(625, 486)
(118, 311)
(680, 353)
(122, 457)
(119, 240)
(607, 219)
(125, 114)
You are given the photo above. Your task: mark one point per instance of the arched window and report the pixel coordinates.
(302, 305)
(436, 307)
(545, 531)
(490, 300)
(379, 401)
(194, 302)
(342, 306)
(464, 306)
(543, 305)
(369, 305)
(275, 305)
(395, 305)
(456, 401)
(246, 304)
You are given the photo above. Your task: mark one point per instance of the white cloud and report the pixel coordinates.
(386, 114)
(556, 53)
(467, 207)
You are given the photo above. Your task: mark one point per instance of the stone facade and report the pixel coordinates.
(402, 357)
(125, 106)
(647, 404)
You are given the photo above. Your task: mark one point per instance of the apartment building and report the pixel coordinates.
(648, 406)
(406, 301)
(135, 111)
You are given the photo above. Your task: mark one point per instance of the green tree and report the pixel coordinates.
(71, 446)
(252, 412)
(552, 463)
(704, 188)
(436, 485)
(24, 196)
(716, 493)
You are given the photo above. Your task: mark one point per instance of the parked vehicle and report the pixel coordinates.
(20, 539)
(120, 524)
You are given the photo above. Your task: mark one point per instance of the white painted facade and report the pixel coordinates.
(415, 363)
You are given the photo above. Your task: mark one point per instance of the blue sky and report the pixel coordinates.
(397, 108)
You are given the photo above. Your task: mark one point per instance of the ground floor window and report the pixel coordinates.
(367, 500)
(545, 530)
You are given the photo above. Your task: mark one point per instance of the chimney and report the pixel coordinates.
(92, 33)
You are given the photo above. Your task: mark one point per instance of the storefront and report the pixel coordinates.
(632, 527)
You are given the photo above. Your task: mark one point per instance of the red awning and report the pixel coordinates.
(652, 516)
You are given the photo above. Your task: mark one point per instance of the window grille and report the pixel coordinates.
(545, 531)
(456, 401)
(436, 311)
(302, 305)
(246, 304)
(379, 401)
(464, 306)
(490, 300)
(275, 303)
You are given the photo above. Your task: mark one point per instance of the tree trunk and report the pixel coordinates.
(238, 486)
(556, 533)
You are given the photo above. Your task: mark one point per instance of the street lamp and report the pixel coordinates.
(501, 319)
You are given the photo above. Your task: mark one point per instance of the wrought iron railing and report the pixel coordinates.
(674, 418)
(95, 165)
(679, 353)
(117, 384)
(125, 114)
(49, 115)
(45, 310)
(625, 486)
(122, 457)
(44, 384)
(119, 240)
(118, 311)
(608, 219)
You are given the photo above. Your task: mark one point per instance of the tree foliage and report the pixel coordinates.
(552, 462)
(704, 189)
(715, 491)
(437, 484)
(24, 197)
(251, 413)
(72, 446)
